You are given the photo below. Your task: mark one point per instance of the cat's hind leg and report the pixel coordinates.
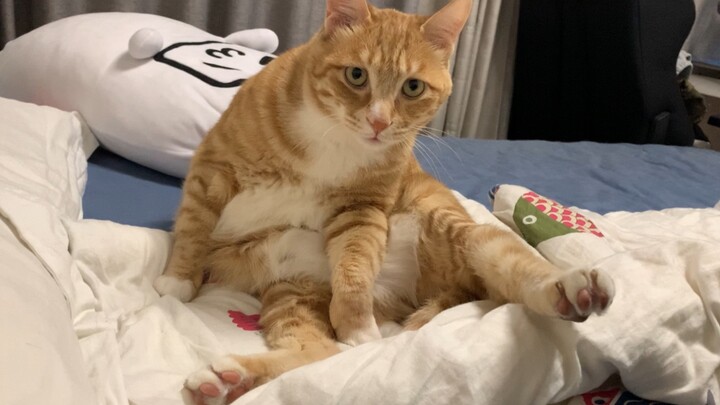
(297, 328)
(512, 271)
(495, 262)
(444, 300)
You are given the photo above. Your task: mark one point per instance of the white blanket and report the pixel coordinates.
(661, 334)
(42, 174)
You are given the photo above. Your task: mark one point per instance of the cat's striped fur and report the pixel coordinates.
(307, 179)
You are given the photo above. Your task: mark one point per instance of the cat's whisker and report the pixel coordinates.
(428, 133)
(327, 131)
(440, 142)
(422, 149)
(444, 143)
(440, 160)
(436, 158)
(430, 151)
(437, 130)
(424, 154)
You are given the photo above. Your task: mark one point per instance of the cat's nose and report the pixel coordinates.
(379, 125)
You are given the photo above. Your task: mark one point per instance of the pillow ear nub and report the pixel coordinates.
(145, 43)
(260, 39)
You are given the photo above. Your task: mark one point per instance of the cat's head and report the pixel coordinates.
(380, 74)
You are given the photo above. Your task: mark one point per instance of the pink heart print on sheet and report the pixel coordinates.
(559, 213)
(613, 396)
(245, 322)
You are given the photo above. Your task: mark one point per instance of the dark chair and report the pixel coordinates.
(601, 71)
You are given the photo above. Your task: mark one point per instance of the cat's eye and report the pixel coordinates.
(413, 88)
(356, 76)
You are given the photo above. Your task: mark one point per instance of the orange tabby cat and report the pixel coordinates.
(309, 177)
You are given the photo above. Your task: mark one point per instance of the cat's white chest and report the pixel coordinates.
(271, 206)
(335, 153)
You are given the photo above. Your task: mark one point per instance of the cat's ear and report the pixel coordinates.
(345, 13)
(443, 28)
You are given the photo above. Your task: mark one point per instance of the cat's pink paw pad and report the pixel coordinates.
(582, 293)
(210, 390)
(220, 384)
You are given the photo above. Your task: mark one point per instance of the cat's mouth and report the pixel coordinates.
(373, 139)
(377, 138)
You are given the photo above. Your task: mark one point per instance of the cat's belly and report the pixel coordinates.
(263, 208)
(396, 284)
(301, 253)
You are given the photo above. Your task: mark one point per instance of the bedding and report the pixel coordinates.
(43, 154)
(661, 334)
(95, 331)
(598, 177)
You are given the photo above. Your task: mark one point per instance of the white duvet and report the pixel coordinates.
(81, 320)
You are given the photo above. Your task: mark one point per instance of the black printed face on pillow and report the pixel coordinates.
(216, 63)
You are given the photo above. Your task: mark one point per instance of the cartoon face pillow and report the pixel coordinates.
(216, 63)
(149, 87)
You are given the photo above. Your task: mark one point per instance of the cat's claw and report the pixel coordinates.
(580, 293)
(220, 384)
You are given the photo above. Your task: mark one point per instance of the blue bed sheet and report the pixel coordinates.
(125, 192)
(599, 177)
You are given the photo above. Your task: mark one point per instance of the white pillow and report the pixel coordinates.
(43, 155)
(149, 87)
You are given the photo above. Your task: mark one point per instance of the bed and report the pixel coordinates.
(84, 232)
(93, 236)
(668, 186)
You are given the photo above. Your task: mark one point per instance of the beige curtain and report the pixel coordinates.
(478, 108)
(484, 65)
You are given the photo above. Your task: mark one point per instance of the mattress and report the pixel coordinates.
(599, 177)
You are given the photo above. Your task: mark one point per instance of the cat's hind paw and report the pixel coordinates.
(580, 293)
(184, 290)
(222, 383)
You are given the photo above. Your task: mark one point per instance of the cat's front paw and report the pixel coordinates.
(184, 290)
(579, 293)
(351, 328)
(222, 383)
(358, 336)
